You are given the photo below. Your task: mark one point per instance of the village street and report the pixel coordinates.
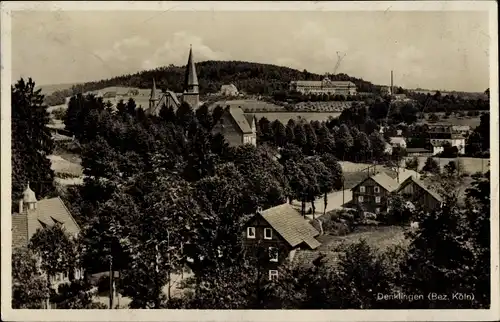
(335, 201)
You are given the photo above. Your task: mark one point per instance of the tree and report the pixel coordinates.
(29, 286)
(431, 166)
(361, 146)
(290, 136)
(451, 168)
(265, 131)
(31, 141)
(377, 144)
(398, 212)
(343, 142)
(326, 181)
(168, 113)
(300, 136)
(433, 118)
(311, 138)
(204, 117)
(335, 170)
(279, 131)
(412, 164)
(447, 248)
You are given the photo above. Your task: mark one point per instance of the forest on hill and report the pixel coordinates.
(248, 77)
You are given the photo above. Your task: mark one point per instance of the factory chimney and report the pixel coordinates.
(392, 83)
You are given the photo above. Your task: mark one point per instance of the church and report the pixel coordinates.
(191, 94)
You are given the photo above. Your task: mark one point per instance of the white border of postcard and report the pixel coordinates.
(240, 315)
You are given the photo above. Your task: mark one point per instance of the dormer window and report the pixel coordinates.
(268, 233)
(251, 232)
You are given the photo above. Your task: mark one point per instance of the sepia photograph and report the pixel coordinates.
(266, 160)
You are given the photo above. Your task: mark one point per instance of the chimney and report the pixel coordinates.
(259, 209)
(392, 83)
(21, 206)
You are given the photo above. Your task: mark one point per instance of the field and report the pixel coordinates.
(283, 117)
(453, 119)
(471, 165)
(378, 237)
(49, 89)
(331, 106)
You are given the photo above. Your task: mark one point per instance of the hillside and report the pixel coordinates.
(250, 78)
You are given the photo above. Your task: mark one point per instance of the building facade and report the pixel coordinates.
(372, 194)
(228, 90)
(272, 237)
(415, 191)
(237, 127)
(33, 215)
(440, 135)
(325, 86)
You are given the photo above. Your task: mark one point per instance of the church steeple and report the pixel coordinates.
(191, 94)
(191, 79)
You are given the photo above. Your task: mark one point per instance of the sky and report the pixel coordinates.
(443, 50)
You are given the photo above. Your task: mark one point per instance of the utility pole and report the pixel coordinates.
(111, 282)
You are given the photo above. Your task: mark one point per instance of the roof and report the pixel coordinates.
(250, 118)
(153, 90)
(191, 78)
(288, 222)
(47, 213)
(383, 180)
(239, 118)
(228, 86)
(397, 140)
(419, 183)
(29, 195)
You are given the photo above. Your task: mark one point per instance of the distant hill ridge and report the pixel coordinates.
(248, 77)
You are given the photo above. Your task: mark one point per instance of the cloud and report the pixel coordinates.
(175, 51)
(123, 49)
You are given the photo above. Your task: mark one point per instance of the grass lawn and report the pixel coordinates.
(380, 237)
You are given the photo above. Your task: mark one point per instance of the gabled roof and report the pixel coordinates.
(288, 222)
(419, 183)
(250, 118)
(383, 180)
(239, 118)
(47, 213)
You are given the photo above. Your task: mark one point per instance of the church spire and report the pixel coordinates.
(191, 79)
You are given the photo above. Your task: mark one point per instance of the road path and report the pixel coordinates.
(335, 201)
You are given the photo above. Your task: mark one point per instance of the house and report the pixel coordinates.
(414, 190)
(237, 127)
(36, 214)
(274, 235)
(440, 134)
(325, 86)
(398, 141)
(462, 129)
(373, 192)
(228, 90)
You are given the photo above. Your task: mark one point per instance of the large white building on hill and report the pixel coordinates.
(325, 86)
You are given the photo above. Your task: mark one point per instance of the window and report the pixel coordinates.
(360, 198)
(273, 254)
(65, 275)
(251, 232)
(377, 199)
(362, 189)
(268, 233)
(273, 274)
(377, 210)
(376, 189)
